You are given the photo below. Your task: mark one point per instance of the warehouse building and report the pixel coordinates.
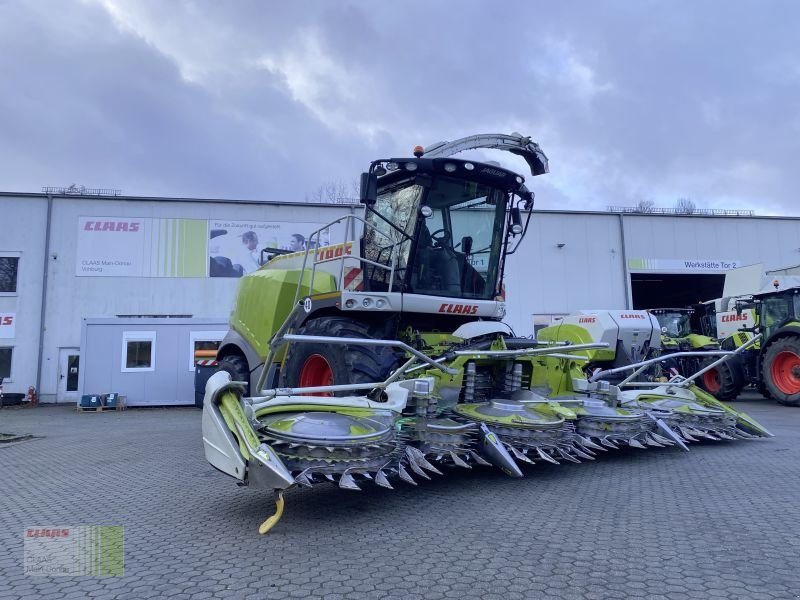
(105, 293)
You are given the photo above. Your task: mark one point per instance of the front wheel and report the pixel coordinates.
(780, 370)
(724, 382)
(236, 367)
(318, 364)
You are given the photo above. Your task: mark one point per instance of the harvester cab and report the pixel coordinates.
(437, 230)
(682, 329)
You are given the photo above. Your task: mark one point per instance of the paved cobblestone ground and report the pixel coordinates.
(722, 521)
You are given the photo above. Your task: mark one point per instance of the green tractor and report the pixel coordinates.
(385, 357)
(769, 364)
(682, 331)
(773, 366)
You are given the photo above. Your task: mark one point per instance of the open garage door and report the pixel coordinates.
(663, 290)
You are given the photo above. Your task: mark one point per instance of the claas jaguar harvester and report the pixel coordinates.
(384, 357)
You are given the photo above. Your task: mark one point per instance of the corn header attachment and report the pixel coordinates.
(475, 406)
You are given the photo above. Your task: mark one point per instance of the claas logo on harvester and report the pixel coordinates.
(734, 317)
(459, 309)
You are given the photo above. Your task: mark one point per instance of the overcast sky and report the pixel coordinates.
(631, 100)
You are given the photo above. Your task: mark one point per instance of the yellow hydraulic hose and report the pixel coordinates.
(273, 520)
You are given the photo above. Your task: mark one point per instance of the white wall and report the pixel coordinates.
(72, 298)
(587, 272)
(773, 242)
(23, 232)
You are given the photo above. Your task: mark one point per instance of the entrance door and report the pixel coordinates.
(670, 290)
(68, 369)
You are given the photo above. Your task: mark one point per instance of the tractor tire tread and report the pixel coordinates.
(731, 381)
(355, 363)
(791, 344)
(236, 366)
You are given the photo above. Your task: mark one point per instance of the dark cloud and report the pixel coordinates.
(630, 100)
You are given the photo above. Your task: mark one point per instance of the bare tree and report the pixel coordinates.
(335, 192)
(685, 206)
(645, 206)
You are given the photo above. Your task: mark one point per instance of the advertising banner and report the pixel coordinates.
(141, 247)
(153, 247)
(234, 247)
(687, 265)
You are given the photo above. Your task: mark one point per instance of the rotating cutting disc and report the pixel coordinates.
(509, 413)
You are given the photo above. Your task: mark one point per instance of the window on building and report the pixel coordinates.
(203, 345)
(9, 266)
(138, 351)
(5, 362)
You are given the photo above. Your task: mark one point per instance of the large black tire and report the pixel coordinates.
(311, 364)
(236, 367)
(725, 381)
(780, 370)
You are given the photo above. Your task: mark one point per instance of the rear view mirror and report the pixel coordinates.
(466, 244)
(516, 221)
(369, 188)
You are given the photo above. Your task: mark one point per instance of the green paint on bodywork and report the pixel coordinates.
(360, 430)
(556, 409)
(234, 415)
(555, 375)
(700, 342)
(695, 341)
(265, 298)
(575, 334)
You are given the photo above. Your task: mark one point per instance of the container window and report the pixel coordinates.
(203, 345)
(138, 351)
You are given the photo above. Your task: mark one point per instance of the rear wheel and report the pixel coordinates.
(780, 370)
(313, 364)
(762, 389)
(236, 367)
(724, 382)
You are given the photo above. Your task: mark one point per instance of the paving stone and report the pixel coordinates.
(721, 521)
